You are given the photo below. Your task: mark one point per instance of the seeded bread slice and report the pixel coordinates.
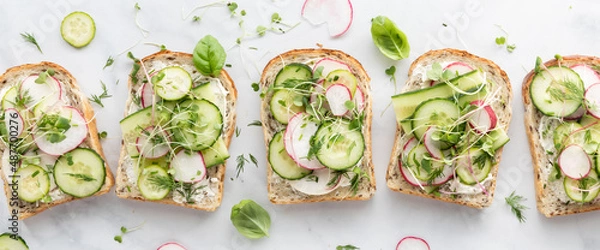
(162, 59)
(280, 191)
(503, 92)
(16, 75)
(548, 202)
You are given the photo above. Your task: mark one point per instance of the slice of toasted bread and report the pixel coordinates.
(14, 76)
(503, 92)
(279, 190)
(549, 193)
(126, 187)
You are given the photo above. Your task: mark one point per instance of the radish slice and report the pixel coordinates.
(432, 146)
(189, 167)
(336, 13)
(409, 145)
(577, 115)
(412, 243)
(458, 68)
(592, 100)
(484, 119)
(50, 91)
(316, 185)
(359, 100)
(146, 94)
(297, 141)
(12, 115)
(74, 135)
(330, 65)
(574, 162)
(587, 74)
(337, 95)
(153, 143)
(412, 180)
(171, 246)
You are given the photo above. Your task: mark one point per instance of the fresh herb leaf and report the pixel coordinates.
(232, 6)
(250, 219)
(98, 98)
(538, 63)
(275, 18)
(136, 67)
(349, 104)
(237, 131)
(102, 135)
(510, 48)
(243, 13)
(196, 19)
(82, 177)
(390, 40)
(161, 182)
(500, 40)
(30, 38)
(255, 123)
(35, 174)
(209, 56)
(124, 230)
(391, 72)
(253, 160)
(241, 162)
(261, 30)
(514, 201)
(109, 62)
(255, 87)
(346, 247)
(118, 238)
(137, 6)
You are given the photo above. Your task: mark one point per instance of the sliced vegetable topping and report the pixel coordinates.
(557, 91)
(189, 167)
(80, 173)
(61, 130)
(78, 29)
(412, 243)
(172, 83)
(574, 162)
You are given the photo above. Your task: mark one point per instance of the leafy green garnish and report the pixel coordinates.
(124, 230)
(136, 67)
(255, 87)
(565, 89)
(500, 40)
(250, 219)
(82, 177)
(196, 19)
(241, 162)
(391, 72)
(510, 48)
(238, 131)
(109, 62)
(98, 98)
(538, 63)
(261, 30)
(390, 40)
(209, 56)
(232, 6)
(275, 18)
(346, 247)
(102, 135)
(255, 123)
(30, 38)
(514, 201)
(54, 127)
(42, 77)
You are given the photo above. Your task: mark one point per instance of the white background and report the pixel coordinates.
(538, 28)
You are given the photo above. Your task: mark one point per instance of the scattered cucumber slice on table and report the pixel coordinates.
(342, 146)
(8, 243)
(34, 183)
(557, 91)
(172, 83)
(80, 173)
(281, 162)
(78, 29)
(145, 182)
(297, 71)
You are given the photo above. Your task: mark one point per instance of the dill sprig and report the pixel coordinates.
(82, 177)
(98, 98)
(30, 38)
(109, 62)
(514, 201)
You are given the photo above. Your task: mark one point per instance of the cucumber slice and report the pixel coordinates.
(463, 100)
(557, 91)
(341, 76)
(204, 91)
(406, 103)
(197, 124)
(573, 188)
(498, 137)
(12, 242)
(172, 83)
(281, 162)
(297, 71)
(587, 120)
(34, 183)
(479, 161)
(283, 105)
(562, 132)
(215, 154)
(435, 112)
(80, 173)
(342, 147)
(9, 98)
(416, 161)
(133, 124)
(78, 29)
(147, 188)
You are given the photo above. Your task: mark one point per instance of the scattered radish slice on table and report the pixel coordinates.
(153, 143)
(171, 246)
(588, 75)
(74, 135)
(297, 141)
(338, 14)
(592, 100)
(189, 166)
(412, 243)
(574, 162)
(337, 95)
(484, 119)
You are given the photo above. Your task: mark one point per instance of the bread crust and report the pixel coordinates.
(279, 191)
(81, 103)
(546, 202)
(396, 182)
(122, 189)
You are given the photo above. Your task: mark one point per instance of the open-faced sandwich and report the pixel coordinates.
(562, 108)
(51, 153)
(178, 123)
(453, 117)
(316, 115)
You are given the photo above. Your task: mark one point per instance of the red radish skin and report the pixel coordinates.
(150, 150)
(456, 67)
(447, 175)
(338, 14)
(574, 162)
(146, 95)
(359, 100)
(74, 136)
(297, 141)
(330, 65)
(577, 115)
(187, 166)
(412, 243)
(588, 75)
(592, 100)
(295, 121)
(171, 246)
(12, 114)
(432, 146)
(337, 95)
(409, 145)
(484, 119)
(50, 93)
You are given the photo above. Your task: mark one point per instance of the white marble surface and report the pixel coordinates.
(538, 28)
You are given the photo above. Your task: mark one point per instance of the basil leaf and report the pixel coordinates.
(209, 56)
(389, 39)
(250, 219)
